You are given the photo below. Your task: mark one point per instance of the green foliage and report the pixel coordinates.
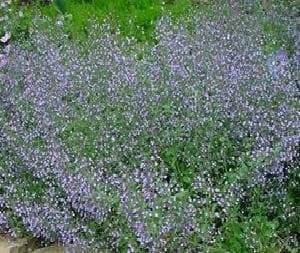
(173, 156)
(61, 5)
(38, 142)
(134, 17)
(30, 187)
(78, 136)
(17, 225)
(115, 222)
(137, 18)
(256, 232)
(276, 37)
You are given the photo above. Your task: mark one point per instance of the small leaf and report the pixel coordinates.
(181, 195)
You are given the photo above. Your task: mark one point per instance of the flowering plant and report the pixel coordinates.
(179, 148)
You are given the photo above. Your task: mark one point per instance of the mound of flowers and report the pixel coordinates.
(187, 145)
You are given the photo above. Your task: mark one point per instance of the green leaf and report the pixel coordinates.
(181, 195)
(61, 6)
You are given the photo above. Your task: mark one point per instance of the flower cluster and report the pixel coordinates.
(106, 145)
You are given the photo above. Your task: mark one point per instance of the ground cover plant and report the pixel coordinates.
(189, 144)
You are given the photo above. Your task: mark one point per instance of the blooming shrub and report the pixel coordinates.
(190, 146)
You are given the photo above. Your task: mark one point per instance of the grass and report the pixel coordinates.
(133, 17)
(137, 18)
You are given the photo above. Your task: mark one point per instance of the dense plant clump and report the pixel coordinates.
(188, 145)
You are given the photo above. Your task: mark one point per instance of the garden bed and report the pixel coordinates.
(187, 142)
